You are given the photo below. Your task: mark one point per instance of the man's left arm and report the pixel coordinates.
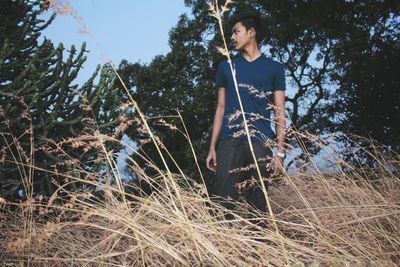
(280, 122)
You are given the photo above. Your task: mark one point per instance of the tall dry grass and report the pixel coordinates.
(336, 219)
(323, 219)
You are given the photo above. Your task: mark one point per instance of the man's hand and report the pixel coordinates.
(211, 160)
(276, 165)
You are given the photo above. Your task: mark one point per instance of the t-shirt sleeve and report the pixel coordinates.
(220, 80)
(279, 79)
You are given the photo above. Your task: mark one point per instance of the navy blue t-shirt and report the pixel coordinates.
(257, 80)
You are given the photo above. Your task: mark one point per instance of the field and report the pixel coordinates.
(318, 219)
(347, 215)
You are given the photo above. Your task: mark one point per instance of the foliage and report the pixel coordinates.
(368, 62)
(180, 81)
(324, 47)
(41, 110)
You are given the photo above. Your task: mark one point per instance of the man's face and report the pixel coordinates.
(240, 36)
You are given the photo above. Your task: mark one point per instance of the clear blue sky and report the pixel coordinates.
(125, 29)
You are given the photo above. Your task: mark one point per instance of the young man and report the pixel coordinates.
(261, 81)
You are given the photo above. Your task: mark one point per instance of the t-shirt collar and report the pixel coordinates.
(254, 60)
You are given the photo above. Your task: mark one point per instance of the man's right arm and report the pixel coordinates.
(211, 160)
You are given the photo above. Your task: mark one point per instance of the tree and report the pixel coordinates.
(368, 62)
(184, 77)
(41, 110)
(332, 52)
(176, 81)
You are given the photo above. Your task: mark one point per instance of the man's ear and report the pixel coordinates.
(252, 32)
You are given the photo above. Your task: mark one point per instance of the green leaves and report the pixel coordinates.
(321, 44)
(37, 91)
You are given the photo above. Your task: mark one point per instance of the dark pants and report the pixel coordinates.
(235, 165)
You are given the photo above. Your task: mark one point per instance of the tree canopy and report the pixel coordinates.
(41, 108)
(340, 59)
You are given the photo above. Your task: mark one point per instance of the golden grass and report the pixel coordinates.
(324, 220)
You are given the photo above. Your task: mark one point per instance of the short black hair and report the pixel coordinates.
(249, 19)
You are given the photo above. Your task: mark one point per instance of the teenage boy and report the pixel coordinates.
(261, 81)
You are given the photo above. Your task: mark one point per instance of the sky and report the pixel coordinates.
(125, 29)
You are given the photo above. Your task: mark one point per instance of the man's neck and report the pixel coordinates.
(251, 52)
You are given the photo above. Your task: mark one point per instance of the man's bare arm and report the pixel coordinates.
(280, 122)
(211, 160)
